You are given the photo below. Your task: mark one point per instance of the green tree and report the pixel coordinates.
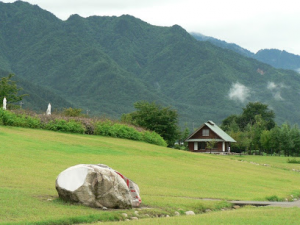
(275, 140)
(257, 129)
(286, 139)
(230, 123)
(184, 135)
(154, 117)
(9, 89)
(295, 135)
(73, 112)
(265, 141)
(211, 144)
(256, 108)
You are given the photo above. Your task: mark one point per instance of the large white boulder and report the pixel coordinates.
(97, 186)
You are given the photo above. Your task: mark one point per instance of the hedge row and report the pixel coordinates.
(79, 125)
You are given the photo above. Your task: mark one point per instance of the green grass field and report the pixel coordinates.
(170, 180)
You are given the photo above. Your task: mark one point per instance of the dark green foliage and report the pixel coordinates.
(294, 160)
(253, 109)
(273, 57)
(153, 138)
(108, 128)
(80, 125)
(229, 123)
(19, 120)
(274, 198)
(248, 116)
(37, 98)
(65, 126)
(72, 112)
(255, 129)
(154, 117)
(9, 89)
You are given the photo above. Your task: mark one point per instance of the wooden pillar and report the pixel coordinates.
(223, 146)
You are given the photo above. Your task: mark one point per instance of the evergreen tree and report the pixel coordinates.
(154, 117)
(9, 89)
(295, 135)
(276, 144)
(253, 109)
(265, 141)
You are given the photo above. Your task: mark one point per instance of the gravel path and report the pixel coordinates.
(278, 204)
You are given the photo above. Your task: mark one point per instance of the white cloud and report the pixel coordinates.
(271, 85)
(276, 90)
(239, 92)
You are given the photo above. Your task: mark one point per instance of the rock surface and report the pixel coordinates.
(189, 213)
(97, 186)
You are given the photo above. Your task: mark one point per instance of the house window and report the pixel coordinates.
(205, 132)
(201, 145)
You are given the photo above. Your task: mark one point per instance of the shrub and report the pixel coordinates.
(65, 126)
(124, 131)
(80, 125)
(154, 138)
(293, 161)
(104, 128)
(19, 120)
(273, 198)
(108, 128)
(72, 112)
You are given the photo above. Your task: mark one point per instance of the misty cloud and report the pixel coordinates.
(276, 90)
(239, 92)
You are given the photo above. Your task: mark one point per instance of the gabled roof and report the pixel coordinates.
(217, 130)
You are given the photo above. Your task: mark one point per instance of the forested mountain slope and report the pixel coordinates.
(38, 97)
(279, 59)
(105, 64)
(274, 57)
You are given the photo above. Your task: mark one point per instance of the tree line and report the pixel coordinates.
(256, 132)
(254, 129)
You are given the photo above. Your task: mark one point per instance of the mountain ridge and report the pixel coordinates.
(105, 64)
(279, 59)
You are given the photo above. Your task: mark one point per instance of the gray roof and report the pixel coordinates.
(217, 130)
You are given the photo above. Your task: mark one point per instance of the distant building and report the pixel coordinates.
(209, 131)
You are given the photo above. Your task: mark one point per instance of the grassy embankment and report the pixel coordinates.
(170, 180)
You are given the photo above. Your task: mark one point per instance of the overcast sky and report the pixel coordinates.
(254, 25)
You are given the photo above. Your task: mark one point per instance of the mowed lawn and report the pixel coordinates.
(30, 161)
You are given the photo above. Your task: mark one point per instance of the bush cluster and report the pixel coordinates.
(65, 126)
(108, 128)
(79, 125)
(19, 120)
(294, 160)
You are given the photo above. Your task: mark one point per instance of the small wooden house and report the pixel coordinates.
(209, 132)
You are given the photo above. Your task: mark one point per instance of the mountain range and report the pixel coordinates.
(105, 64)
(274, 57)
